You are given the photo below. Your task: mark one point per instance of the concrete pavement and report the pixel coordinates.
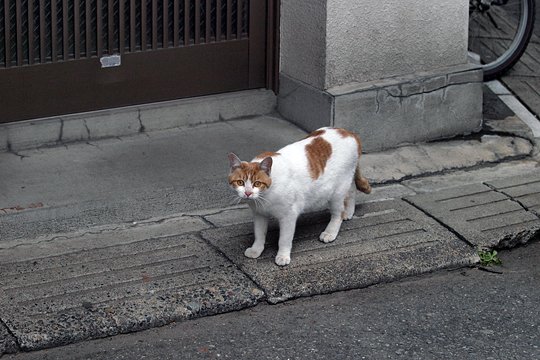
(450, 314)
(125, 234)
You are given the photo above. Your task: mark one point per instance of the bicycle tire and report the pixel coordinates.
(523, 35)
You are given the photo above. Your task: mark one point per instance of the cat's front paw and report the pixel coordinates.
(327, 237)
(253, 252)
(283, 260)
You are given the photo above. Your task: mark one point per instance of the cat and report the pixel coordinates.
(320, 172)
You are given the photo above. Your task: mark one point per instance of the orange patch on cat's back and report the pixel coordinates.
(346, 133)
(315, 133)
(266, 154)
(318, 151)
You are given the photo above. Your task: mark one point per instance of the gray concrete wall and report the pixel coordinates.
(433, 106)
(327, 43)
(392, 112)
(303, 40)
(373, 39)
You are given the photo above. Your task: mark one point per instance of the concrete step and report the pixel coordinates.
(118, 180)
(384, 241)
(129, 120)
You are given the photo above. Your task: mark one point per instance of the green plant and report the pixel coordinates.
(488, 257)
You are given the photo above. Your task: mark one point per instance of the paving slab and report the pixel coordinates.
(112, 181)
(422, 159)
(7, 341)
(516, 168)
(483, 216)
(523, 189)
(109, 282)
(384, 241)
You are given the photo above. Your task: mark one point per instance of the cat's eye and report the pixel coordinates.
(257, 183)
(240, 182)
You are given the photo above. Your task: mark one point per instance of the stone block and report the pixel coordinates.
(384, 241)
(31, 134)
(304, 105)
(207, 109)
(482, 216)
(463, 177)
(391, 112)
(523, 189)
(231, 217)
(107, 289)
(134, 119)
(3, 137)
(75, 130)
(111, 123)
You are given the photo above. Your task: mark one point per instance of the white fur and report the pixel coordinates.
(294, 192)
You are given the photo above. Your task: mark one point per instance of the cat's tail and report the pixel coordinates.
(361, 182)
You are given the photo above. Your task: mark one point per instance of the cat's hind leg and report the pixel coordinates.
(349, 203)
(260, 224)
(337, 209)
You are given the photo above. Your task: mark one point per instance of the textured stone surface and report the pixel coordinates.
(304, 105)
(303, 41)
(423, 106)
(328, 43)
(423, 159)
(384, 192)
(104, 283)
(207, 109)
(26, 134)
(110, 123)
(456, 178)
(3, 140)
(385, 240)
(484, 217)
(231, 217)
(523, 189)
(134, 119)
(7, 341)
(369, 40)
(426, 108)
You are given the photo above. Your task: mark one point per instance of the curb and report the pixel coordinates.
(131, 120)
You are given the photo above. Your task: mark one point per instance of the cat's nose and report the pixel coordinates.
(248, 193)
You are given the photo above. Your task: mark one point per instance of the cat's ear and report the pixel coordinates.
(266, 165)
(234, 161)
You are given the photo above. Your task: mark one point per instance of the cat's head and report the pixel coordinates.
(249, 179)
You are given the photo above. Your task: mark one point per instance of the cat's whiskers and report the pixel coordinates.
(235, 200)
(264, 201)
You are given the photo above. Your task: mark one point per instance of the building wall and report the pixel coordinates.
(327, 43)
(374, 39)
(303, 40)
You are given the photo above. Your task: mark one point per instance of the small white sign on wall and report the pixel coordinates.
(110, 61)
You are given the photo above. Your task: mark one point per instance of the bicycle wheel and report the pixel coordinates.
(499, 31)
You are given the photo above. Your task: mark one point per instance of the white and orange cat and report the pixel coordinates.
(319, 172)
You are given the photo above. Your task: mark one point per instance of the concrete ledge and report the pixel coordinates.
(134, 119)
(384, 241)
(391, 112)
(484, 215)
(113, 280)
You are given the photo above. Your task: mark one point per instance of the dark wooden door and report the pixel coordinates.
(68, 56)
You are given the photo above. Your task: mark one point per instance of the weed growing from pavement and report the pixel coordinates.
(488, 258)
